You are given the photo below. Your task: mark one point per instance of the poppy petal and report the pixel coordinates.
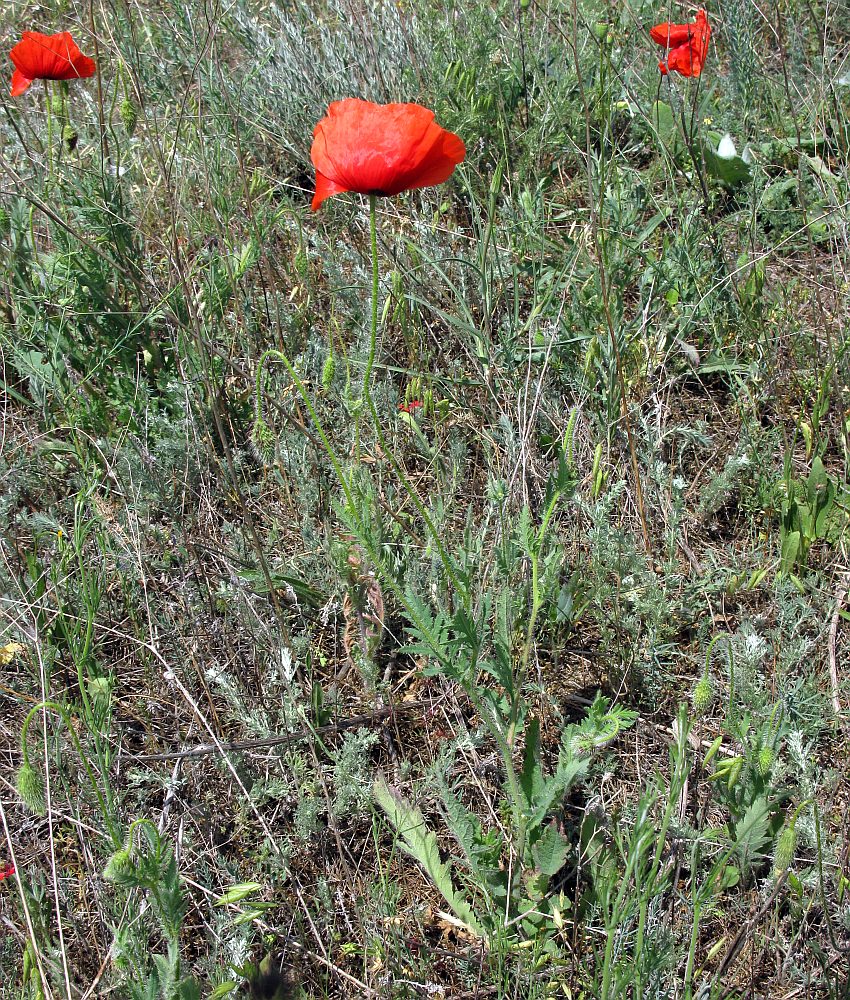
(440, 163)
(382, 148)
(20, 83)
(688, 44)
(670, 34)
(325, 188)
(50, 57)
(685, 60)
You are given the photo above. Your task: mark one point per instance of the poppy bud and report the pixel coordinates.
(301, 263)
(120, 868)
(328, 371)
(31, 788)
(785, 848)
(702, 695)
(129, 115)
(5, 225)
(766, 760)
(70, 137)
(264, 441)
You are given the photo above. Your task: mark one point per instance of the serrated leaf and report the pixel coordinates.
(550, 852)
(555, 788)
(421, 844)
(531, 779)
(752, 831)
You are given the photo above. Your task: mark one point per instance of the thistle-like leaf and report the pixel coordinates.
(421, 844)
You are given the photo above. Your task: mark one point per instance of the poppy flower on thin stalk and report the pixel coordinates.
(47, 57)
(688, 44)
(380, 149)
(7, 872)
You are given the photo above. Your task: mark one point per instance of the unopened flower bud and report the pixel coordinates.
(31, 788)
(263, 440)
(120, 867)
(785, 848)
(328, 370)
(766, 760)
(702, 695)
(129, 115)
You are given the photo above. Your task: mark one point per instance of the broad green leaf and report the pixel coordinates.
(790, 551)
(550, 852)
(223, 989)
(665, 123)
(729, 170)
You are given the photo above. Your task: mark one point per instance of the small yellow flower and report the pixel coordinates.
(9, 652)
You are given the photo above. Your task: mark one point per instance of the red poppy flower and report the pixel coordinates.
(47, 57)
(688, 44)
(380, 149)
(7, 872)
(410, 407)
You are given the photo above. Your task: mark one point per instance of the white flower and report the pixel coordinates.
(726, 150)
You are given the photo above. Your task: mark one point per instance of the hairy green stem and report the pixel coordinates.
(447, 562)
(60, 711)
(273, 352)
(49, 109)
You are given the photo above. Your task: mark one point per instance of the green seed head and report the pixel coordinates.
(702, 695)
(31, 789)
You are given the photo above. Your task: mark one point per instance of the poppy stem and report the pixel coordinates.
(448, 563)
(302, 391)
(47, 103)
(373, 330)
(376, 277)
